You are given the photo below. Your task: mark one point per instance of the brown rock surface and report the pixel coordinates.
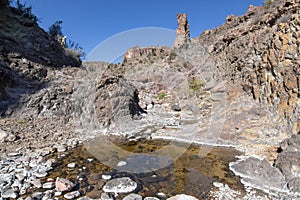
(260, 51)
(183, 31)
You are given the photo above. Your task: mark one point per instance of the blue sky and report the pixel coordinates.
(91, 22)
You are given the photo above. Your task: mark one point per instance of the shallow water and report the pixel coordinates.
(193, 172)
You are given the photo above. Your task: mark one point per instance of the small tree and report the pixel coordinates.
(56, 29)
(26, 11)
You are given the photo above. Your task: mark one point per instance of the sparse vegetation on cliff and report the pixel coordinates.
(267, 3)
(55, 30)
(26, 11)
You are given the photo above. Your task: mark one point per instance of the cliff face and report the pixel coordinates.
(24, 38)
(29, 58)
(259, 52)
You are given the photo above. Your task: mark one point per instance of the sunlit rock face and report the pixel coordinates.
(183, 31)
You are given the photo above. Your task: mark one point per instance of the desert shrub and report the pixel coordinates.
(75, 47)
(267, 3)
(196, 85)
(172, 56)
(162, 95)
(55, 30)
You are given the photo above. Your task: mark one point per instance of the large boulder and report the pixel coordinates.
(116, 100)
(288, 161)
(258, 173)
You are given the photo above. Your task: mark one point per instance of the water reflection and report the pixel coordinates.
(189, 174)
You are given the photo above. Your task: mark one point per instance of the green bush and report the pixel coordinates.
(162, 95)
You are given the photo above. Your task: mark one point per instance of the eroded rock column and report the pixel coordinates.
(183, 32)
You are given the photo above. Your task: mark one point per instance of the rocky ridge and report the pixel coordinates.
(259, 53)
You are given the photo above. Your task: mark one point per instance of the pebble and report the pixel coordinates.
(14, 154)
(106, 177)
(151, 198)
(37, 195)
(6, 178)
(62, 184)
(90, 160)
(105, 196)
(9, 194)
(41, 174)
(40, 159)
(7, 136)
(217, 184)
(150, 106)
(71, 165)
(57, 194)
(72, 195)
(161, 195)
(3, 135)
(182, 197)
(61, 148)
(176, 108)
(16, 183)
(48, 195)
(121, 163)
(133, 197)
(49, 185)
(36, 183)
(20, 177)
(50, 162)
(84, 198)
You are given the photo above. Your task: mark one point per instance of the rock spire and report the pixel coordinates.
(183, 31)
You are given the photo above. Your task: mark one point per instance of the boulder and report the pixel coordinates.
(133, 197)
(258, 173)
(120, 185)
(291, 144)
(182, 197)
(294, 185)
(289, 164)
(116, 100)
(63, 185)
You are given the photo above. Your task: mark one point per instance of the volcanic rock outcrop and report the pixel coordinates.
(138, 52)
(259, 53)
(29, 60)
(183, 31)
(116, 99)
